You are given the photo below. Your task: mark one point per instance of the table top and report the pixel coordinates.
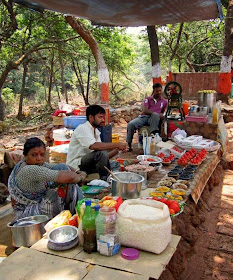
(155, 263)
(197, 184)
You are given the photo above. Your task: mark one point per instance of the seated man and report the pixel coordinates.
(152, 111)
(86, 151)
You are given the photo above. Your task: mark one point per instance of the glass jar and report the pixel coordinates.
(105, 221)
(107, 239)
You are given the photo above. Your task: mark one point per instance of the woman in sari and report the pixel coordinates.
(40, 188)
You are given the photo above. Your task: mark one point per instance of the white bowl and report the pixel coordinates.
(146, 157)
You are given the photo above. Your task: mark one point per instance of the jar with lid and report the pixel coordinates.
(107, 239)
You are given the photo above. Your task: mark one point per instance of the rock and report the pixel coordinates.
(224, 163)
(191, 234)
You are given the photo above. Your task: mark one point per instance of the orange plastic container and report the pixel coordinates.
(186, 108)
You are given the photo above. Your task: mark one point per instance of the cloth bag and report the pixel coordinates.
(152, 233)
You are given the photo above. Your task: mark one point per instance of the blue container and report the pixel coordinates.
(106, 133)
(74, 121)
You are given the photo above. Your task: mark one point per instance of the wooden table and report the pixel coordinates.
(39, 262)
(197, 184)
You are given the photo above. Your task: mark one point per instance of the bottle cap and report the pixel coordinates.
(97, 207)
(130, 254)
(88, 202)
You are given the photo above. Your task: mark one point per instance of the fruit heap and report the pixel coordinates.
(165, 159)
(192, 157)
(173, 205)
(198, 158)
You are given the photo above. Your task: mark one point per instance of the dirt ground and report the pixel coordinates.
(212, 254)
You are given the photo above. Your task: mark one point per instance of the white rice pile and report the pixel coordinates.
(142, 211)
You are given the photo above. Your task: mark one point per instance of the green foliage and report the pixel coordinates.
(8, 95)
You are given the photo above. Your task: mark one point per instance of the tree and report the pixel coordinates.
(225, 70)
(103, 75)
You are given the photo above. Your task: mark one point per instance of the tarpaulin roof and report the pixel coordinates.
(132, 12)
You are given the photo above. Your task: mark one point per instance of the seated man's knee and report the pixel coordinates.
(102, 155)
(155, 116)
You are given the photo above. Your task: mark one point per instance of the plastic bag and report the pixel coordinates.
(146, 140)
(179, 131)
(61, 219)
(135, 228)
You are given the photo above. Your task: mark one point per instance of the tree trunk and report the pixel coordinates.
(50, 80)
(63, 88)
(103, 75)
(224, 84)
(154, 51)
(88, 80)
(80, 80)
(170, 76)
(25, 71)
(57, 89)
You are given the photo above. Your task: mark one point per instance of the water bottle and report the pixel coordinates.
(157, 140)
(89, 229)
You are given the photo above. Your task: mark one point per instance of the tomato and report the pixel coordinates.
(73, 221)
(172, 212)
(150, 159)
(163, 200)
(175, 206)
(169, 202)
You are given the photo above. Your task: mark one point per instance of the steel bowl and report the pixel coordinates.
(27, 231)
(63, 236)
(129, 185)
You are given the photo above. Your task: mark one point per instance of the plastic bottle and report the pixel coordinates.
(157, 140)
(152, 146)
(215, 114)
(96, 208)
(89, 229)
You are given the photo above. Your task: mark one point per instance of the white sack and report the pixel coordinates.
(145, 231)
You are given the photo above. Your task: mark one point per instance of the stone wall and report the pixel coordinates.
(125, 114)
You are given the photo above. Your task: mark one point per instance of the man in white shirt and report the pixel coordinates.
(86, 151)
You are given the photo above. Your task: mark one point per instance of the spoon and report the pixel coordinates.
(113, 175)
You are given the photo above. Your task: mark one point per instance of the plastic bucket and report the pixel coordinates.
(115, 138)
(74, 121)
(59, 137)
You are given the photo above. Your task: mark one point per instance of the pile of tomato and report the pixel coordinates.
(199, 157)
(183, 161)
(165, 159)
(192, 157)
(173, 205)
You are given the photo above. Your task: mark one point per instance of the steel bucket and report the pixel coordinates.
(27, 231)
(129, 187)
(207, 99)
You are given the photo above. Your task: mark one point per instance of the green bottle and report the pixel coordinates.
(89, 229)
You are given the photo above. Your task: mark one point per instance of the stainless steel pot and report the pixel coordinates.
(27, 231)
(128, 187)
(207, 99)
